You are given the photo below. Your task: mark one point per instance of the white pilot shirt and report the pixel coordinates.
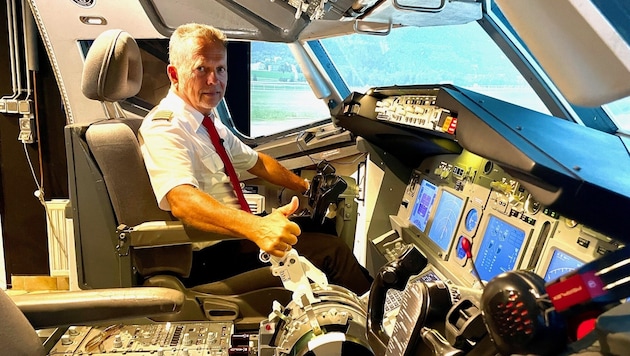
(177, 150)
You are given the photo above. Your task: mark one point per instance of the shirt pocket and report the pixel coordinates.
(212, 162)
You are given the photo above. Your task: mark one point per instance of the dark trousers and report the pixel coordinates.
(327, 252)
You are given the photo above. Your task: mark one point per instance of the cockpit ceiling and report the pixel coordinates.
(291, 20)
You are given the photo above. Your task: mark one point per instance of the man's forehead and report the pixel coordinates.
(210, 50)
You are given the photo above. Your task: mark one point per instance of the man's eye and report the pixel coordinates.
(221, 69)
(200, 69)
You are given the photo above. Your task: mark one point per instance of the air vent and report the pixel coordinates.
(256, 203)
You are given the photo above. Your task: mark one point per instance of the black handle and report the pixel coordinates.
(394, 274)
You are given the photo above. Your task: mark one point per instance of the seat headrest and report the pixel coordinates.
(113, 67)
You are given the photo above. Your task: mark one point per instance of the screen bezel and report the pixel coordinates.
(545, 259)
(413, 207)
(444, 254)
(483, 226)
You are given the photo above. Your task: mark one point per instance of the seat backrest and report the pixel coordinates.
(114, 145)
(109, 184)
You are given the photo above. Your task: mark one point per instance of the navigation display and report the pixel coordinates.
(422, 206)
(560, 264)
(499, 248)
(445, 220)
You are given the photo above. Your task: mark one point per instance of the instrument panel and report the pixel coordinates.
(456, 197)
(160, 339)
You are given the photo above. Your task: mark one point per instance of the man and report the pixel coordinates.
(189, 179)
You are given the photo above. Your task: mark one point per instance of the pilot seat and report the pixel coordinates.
(122, 238)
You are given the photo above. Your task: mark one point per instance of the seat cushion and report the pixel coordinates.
(245, 282)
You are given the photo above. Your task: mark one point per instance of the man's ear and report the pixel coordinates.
(172, 74)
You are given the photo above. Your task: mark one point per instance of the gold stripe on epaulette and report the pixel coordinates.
(163, 115)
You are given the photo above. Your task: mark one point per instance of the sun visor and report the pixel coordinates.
(577, 46)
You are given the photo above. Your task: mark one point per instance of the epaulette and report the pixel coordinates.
(166, 115)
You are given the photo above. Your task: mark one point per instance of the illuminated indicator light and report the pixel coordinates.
(447, 123)
(452, 126)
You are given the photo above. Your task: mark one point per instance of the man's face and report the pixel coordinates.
(202, 82)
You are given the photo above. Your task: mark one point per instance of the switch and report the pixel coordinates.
(187, 341)
(66, 340)
(117, 341)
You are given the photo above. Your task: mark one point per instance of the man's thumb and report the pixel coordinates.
(290, 208)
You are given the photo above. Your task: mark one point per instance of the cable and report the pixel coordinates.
(98, 340)
(39, 194)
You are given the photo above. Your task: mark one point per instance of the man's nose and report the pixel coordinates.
(212, 77)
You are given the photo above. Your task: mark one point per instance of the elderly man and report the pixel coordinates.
(190, 178)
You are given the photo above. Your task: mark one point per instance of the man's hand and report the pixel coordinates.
(275, 234)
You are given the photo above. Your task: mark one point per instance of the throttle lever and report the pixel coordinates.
(438, 344)
(394, 274)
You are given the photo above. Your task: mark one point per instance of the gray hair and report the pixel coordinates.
(188, 38)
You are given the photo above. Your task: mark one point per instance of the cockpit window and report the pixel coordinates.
(463, 55)
(619, 112)
(281, 99)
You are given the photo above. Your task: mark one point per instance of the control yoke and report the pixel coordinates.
(325, 189)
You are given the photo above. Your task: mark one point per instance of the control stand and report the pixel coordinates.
(321, 319)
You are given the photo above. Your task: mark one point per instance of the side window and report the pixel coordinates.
(281, 99)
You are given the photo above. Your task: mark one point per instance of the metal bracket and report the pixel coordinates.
(438, 8)
(123, 231)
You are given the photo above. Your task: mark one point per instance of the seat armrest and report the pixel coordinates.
(165, 233)
(44, 310)
(156, 233)
(162, 246)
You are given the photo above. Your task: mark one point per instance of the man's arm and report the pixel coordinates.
(273, 233)
(272, 171)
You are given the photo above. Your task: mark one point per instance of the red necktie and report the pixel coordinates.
(229, 168)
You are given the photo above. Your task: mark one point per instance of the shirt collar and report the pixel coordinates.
(191, 113)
